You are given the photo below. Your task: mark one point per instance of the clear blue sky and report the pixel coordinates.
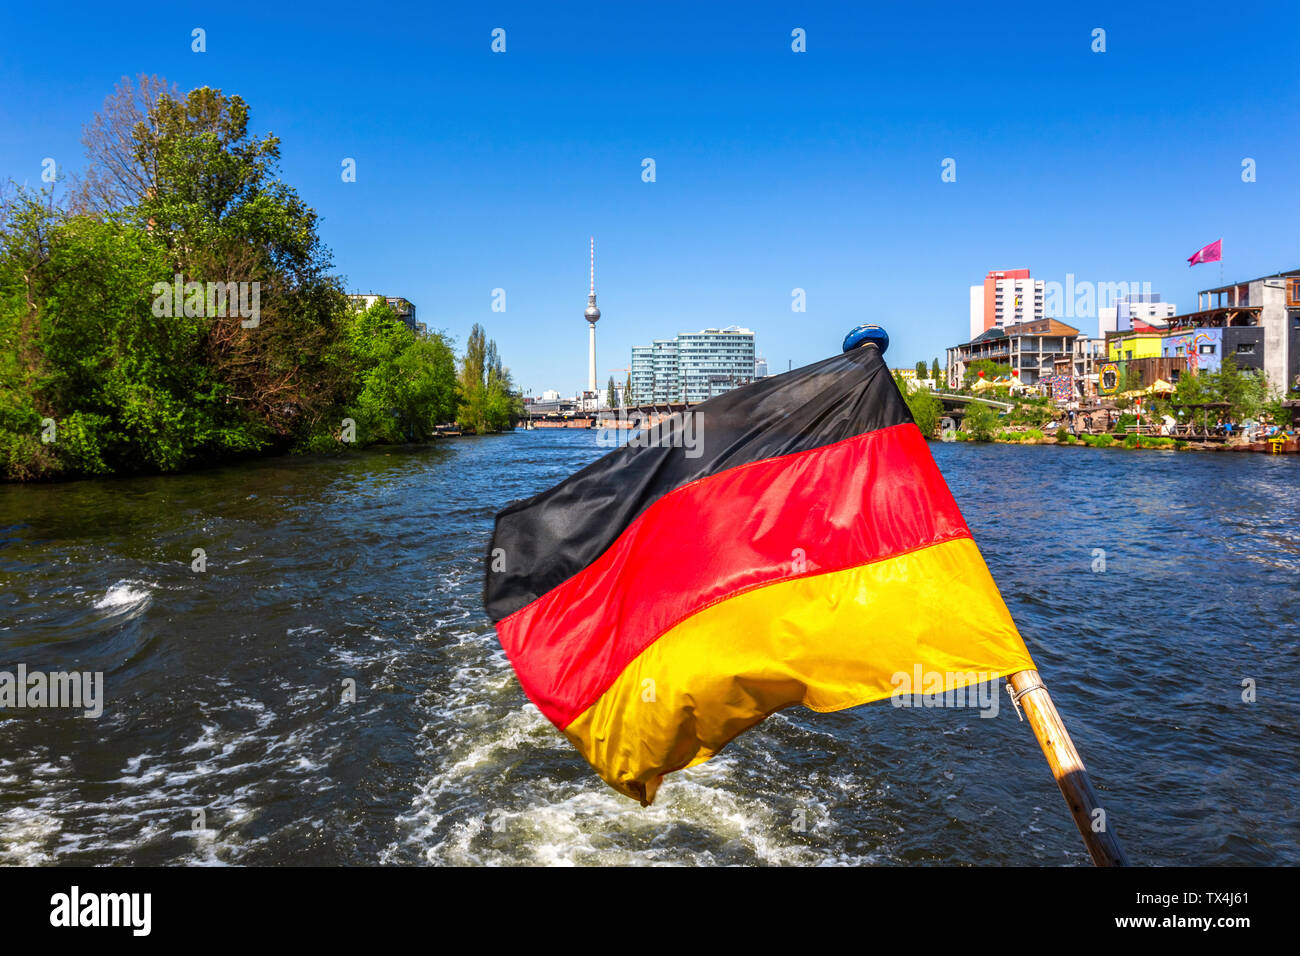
(775, 170)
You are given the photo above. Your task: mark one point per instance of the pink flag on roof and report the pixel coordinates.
(1211, 253)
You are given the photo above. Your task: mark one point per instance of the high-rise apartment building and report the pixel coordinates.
(1007, 297)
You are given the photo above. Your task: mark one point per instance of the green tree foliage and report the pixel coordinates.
(1035, 412)
(926, 411)
(980, 422)
(126, 388)
(404, 382)
(489, 400)
(103, 370)
(934, 370)
(627, 391)
(1245, 390)
(920, 369)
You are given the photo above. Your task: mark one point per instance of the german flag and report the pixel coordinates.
(791, 541)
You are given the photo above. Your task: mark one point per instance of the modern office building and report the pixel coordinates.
(693, 367)
(656, 374)
(714, 361)
(1007, 297)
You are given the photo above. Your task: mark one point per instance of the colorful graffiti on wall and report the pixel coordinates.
(1194, 345)
(1062, 386)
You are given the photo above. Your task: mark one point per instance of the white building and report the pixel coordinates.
(1144, 307)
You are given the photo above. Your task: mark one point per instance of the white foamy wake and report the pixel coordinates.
(125, 597)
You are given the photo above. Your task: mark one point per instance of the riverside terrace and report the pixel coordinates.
(1031, 349)
(1257, 322)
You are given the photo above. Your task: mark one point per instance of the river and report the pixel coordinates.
(231, 734)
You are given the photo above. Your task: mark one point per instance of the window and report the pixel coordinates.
(1206, 348)
(1245, 348)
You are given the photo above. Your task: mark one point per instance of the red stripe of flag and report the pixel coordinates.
(717, 537)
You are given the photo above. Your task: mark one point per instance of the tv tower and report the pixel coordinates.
(592, 315)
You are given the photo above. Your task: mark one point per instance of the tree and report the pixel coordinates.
(405, 383)
(126, 388)
(611, 396)
(190, 175)
(980, 421)
(934, 370)
(920, 369)
(990, 369)
(121, 144)
(489, 400)
(179, 309)
(926, 411)
(627, 390)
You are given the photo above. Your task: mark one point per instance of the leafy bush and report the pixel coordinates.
(1062, 435)
(405, 383)
(980, 422)
(926, 410)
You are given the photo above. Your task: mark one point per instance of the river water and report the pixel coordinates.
(230, 733)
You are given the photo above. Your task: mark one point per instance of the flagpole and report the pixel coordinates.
(1030, 694)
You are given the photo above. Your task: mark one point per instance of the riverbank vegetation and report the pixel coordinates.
(177, 307)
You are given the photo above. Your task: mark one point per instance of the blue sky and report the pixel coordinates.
(775, 170)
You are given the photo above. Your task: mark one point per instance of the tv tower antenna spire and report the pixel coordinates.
(592, 315)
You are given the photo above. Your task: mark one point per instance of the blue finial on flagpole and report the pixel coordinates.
(864, 334)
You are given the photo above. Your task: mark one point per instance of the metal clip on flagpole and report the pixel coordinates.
(1027, 687)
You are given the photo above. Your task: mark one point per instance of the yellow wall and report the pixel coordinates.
(1143, 346)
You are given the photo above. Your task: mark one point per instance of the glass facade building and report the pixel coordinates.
(693, 367)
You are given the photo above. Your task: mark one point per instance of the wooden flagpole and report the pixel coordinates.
(1030, 694)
